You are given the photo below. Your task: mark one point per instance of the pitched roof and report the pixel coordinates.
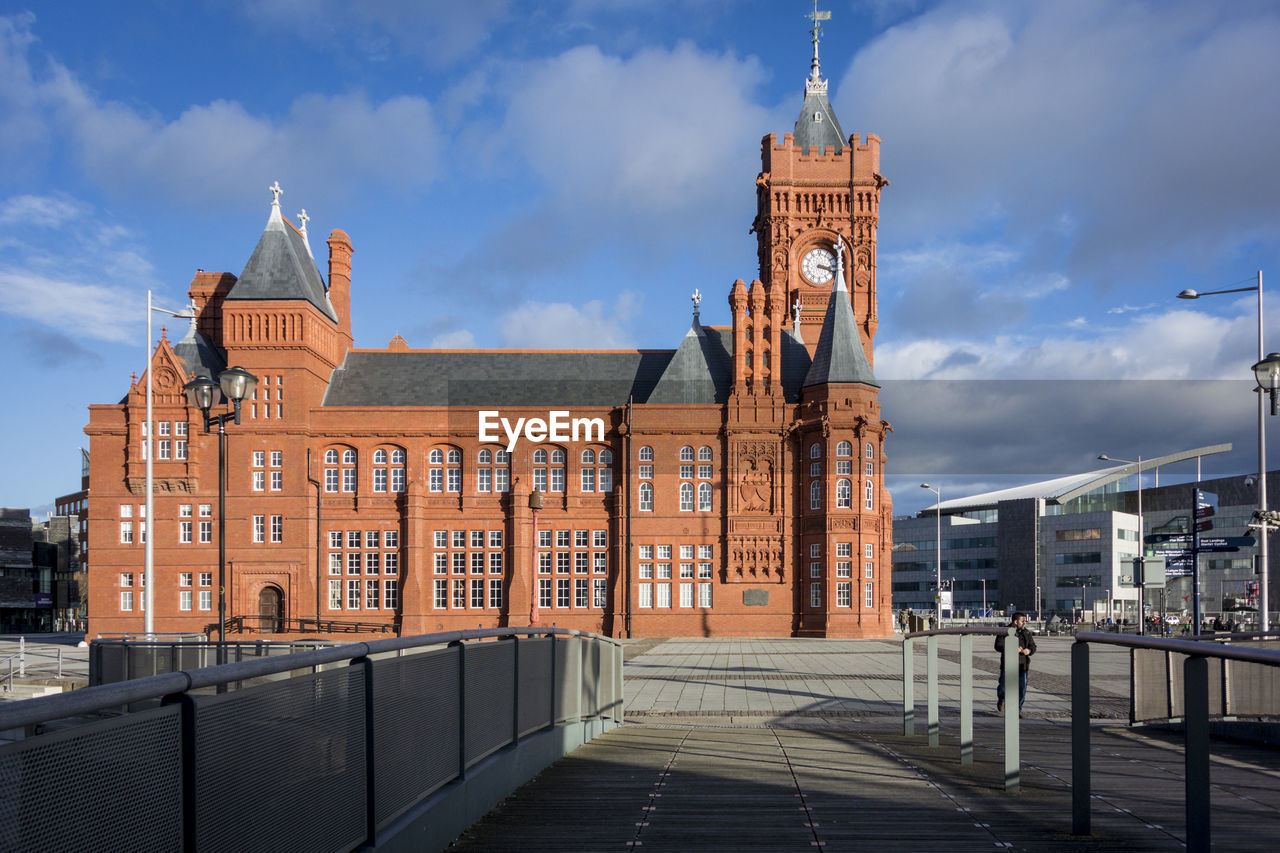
(697, 373)
(282, 268)
(198, 354)
(547, 378)
(817, 126)
(839, 356)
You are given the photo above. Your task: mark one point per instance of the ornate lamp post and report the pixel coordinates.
(235, 384)
(536, 502)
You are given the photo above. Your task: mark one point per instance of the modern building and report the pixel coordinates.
(1063, 546)
(729, 486)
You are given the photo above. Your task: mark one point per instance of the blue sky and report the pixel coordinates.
(565, 174)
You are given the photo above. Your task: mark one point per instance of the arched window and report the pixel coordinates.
(484, 457)
(455, 457)
(557, 470)
(606, 457)
(646, 454)
(704, 454)
(588, 457)
(844, 448)
(646, 497)
(449, 477)
(870, 491)
(335, 475)
(379, 470)
(844, 494)
(686, 454)
(539, 457)
(397, 470)
(686, 497)
(436, 457)
(331, 457)
(815, 451)
(815, 495)
(501, 457)
(348, 457)
(704, 497)
(870, 451)
(379, 457)
(397, 457)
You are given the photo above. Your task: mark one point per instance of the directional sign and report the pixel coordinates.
(1213, 543)
(1170, 538)
(1203, 524)
(1206, 504)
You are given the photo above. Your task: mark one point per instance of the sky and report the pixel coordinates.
(564, 174)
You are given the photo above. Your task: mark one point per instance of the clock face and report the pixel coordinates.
(819, 266)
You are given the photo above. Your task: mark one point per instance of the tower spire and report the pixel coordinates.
(815, 83)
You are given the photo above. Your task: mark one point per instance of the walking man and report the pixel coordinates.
(1026, 648)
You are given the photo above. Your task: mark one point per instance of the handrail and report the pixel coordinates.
(1195, 702)
(1012, 746)
(87, 700)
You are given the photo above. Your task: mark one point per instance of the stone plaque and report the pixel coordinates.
(755, 597)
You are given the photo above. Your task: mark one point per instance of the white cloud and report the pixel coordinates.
(608, 131)
(560, 325)
(40, 211)
(219, 151)
(457, 339)
(103, 312)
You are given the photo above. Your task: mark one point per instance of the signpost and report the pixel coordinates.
(1204, 508)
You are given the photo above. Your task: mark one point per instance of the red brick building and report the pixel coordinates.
(732, 486)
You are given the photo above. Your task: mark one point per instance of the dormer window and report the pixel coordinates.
(817, 118)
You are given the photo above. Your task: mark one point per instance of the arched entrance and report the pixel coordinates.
(270, 610)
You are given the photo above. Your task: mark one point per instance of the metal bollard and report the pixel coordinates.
(22, 657)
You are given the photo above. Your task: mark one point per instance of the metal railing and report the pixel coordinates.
(279, 625)
(348, 744)
(1012, 746)
(114, 660)
(1195, 713)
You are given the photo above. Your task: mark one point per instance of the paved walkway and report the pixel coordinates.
(797, 745)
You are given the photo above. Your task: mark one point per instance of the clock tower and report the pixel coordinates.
(815, 186)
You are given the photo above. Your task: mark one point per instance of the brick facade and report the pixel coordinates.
(729, 495)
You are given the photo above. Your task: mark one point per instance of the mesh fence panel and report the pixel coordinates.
(1150, 684)
(608, 682)
(114, 784)
(534, 685)
(299, 742)
(568, 651)
(1253, 689)
(590, 677)
(415, 728)
(489, 702)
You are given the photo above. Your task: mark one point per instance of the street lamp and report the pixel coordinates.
(149, 532)
(1262, 435)
(536, 502)
(937, 554)
(1142, 545)
(235, 384)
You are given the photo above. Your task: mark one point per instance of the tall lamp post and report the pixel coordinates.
(235, 384)
(937, 554)
(149, 525)
(1262, 438)
(1142, 544)
(1267, 372)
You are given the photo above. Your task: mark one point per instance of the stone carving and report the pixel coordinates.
(756, 486)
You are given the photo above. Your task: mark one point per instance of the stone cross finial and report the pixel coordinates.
(697, 299)
(795, 312)
(304, 219)
(275, 193)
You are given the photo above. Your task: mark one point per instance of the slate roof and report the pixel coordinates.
(282, 268)
(820, 133)
(198, 354)
(699, 372)
(839, 356)
(547, 378)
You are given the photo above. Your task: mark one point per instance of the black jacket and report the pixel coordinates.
(1025, 641)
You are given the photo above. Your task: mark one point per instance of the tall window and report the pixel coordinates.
(435, 473)
(539, 470)
(815, 451)
(646, 497)
(605, 474)
(331, 470)
(557, 470)
(704, 497)
(379, 470)
(815, 495)
(588, 470)
(686, 497)
(869, 493)
(844, 494)
(348, 470)
(397, 470)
